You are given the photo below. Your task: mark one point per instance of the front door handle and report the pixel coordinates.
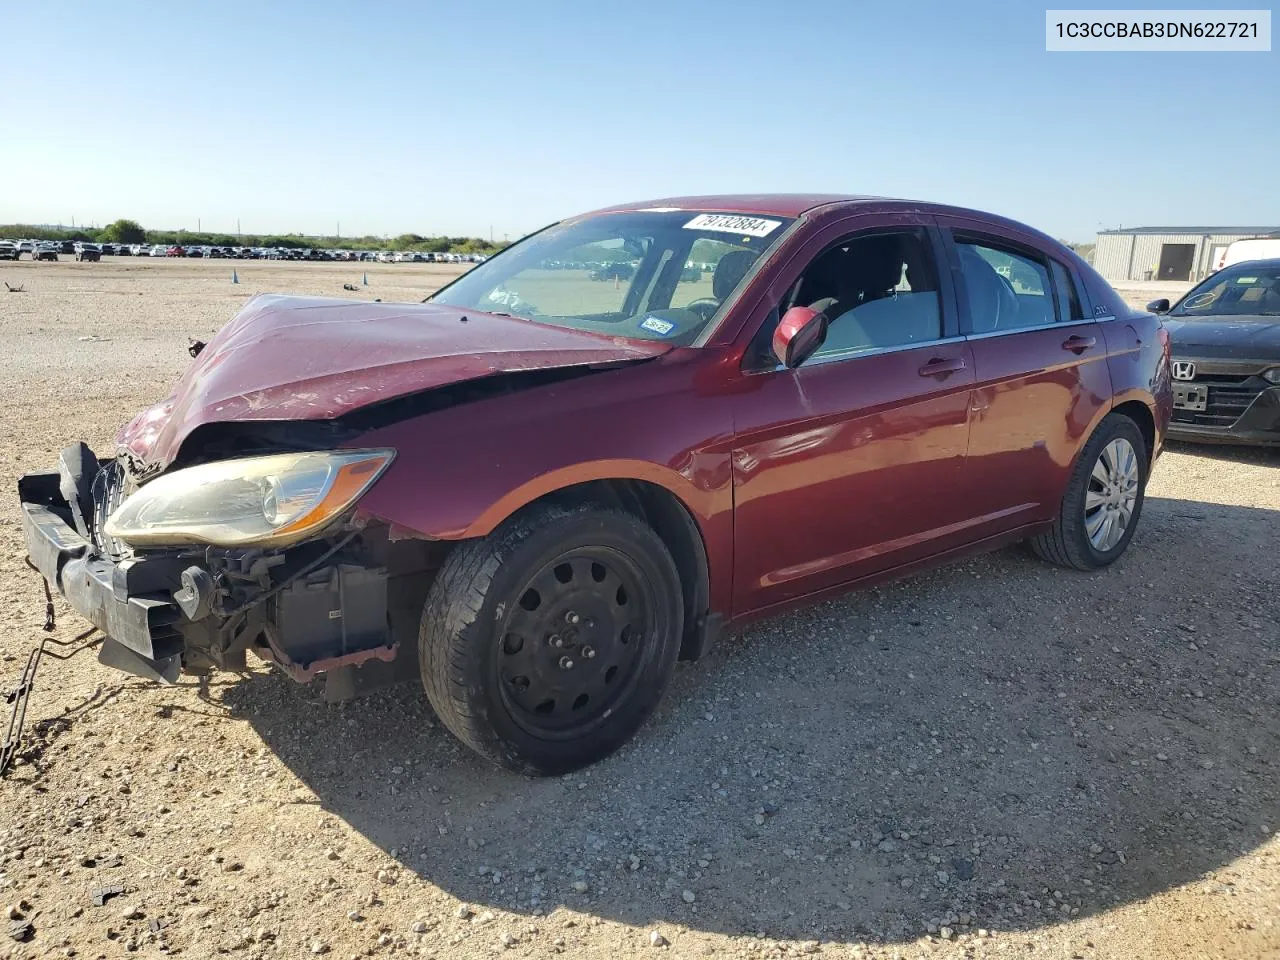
(1079, 345)
(939, 366)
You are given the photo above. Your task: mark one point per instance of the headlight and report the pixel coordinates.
(1272, 375)
(276, 500)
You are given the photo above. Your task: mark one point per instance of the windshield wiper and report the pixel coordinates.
(514, 316)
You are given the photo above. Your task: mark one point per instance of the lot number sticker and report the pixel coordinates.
(733, 223)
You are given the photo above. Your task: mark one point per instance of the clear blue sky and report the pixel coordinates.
(450, 117)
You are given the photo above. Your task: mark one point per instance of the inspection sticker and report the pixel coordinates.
(658, 325)
(733, 223)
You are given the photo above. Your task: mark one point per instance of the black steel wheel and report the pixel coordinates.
(545, 645)
(573, 642)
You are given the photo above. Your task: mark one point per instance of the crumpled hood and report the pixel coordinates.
(1246, 337)
(305, 358)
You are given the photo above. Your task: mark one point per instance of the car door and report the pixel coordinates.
(1041, 375)
(853, 462)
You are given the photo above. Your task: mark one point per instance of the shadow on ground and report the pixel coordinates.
(1235, 453)
(1001, 743)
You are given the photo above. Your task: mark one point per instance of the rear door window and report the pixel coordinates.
(1005, 290)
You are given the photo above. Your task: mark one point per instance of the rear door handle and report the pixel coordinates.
(1078, 345)
(939, 367)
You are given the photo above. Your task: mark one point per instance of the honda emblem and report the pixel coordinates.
(1184, 370)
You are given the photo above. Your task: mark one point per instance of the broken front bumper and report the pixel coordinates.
(314, 608)
(131, 602)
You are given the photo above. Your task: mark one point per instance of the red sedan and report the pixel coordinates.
(539, 491)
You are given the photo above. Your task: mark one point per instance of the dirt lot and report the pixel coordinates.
(999, 759)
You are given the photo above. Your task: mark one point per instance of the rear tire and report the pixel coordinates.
(1101, 506)
(547, 644)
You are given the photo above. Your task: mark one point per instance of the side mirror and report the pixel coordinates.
(1158, 306)
(800, 332)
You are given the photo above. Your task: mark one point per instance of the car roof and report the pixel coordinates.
(796, 204)
(777, 204)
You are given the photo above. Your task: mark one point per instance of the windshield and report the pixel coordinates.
(647, 274)
(1246, 289)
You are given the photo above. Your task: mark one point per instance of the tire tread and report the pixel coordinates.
(455, 600)
(1063, 544)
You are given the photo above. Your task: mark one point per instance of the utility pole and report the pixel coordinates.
(198, 230)
(237, 228)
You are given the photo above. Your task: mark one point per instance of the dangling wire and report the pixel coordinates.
(20, 694)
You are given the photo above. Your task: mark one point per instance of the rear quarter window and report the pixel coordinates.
(1068, 297)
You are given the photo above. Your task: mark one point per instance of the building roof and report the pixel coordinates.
(1198, 231)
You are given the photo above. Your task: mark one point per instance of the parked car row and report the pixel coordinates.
(49, 249)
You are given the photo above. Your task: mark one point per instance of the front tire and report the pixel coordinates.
(1103, 501)
(547, 644)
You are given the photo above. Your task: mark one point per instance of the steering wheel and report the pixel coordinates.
(704, 307)
(1007, 302)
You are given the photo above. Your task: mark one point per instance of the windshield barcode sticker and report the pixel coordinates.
(733, 223)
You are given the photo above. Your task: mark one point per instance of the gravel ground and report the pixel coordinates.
(997, 759)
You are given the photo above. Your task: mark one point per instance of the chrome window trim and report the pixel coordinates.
(818, 360)
(1228, 365)
(1062, 324)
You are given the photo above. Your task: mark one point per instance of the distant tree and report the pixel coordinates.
(128, 231)
(124, 231)
(289, 241)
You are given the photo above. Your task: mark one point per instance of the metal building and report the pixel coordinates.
(1166, 253)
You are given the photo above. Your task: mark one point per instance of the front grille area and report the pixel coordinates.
(108, 492)
(1221, 378)
(1227, 401)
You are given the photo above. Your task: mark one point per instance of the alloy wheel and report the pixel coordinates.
(1112, 494)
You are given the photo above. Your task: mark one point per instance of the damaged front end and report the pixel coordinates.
(227, 520)
(314, 601)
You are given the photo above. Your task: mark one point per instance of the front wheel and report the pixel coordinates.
(1103, 500)
(546, 645)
